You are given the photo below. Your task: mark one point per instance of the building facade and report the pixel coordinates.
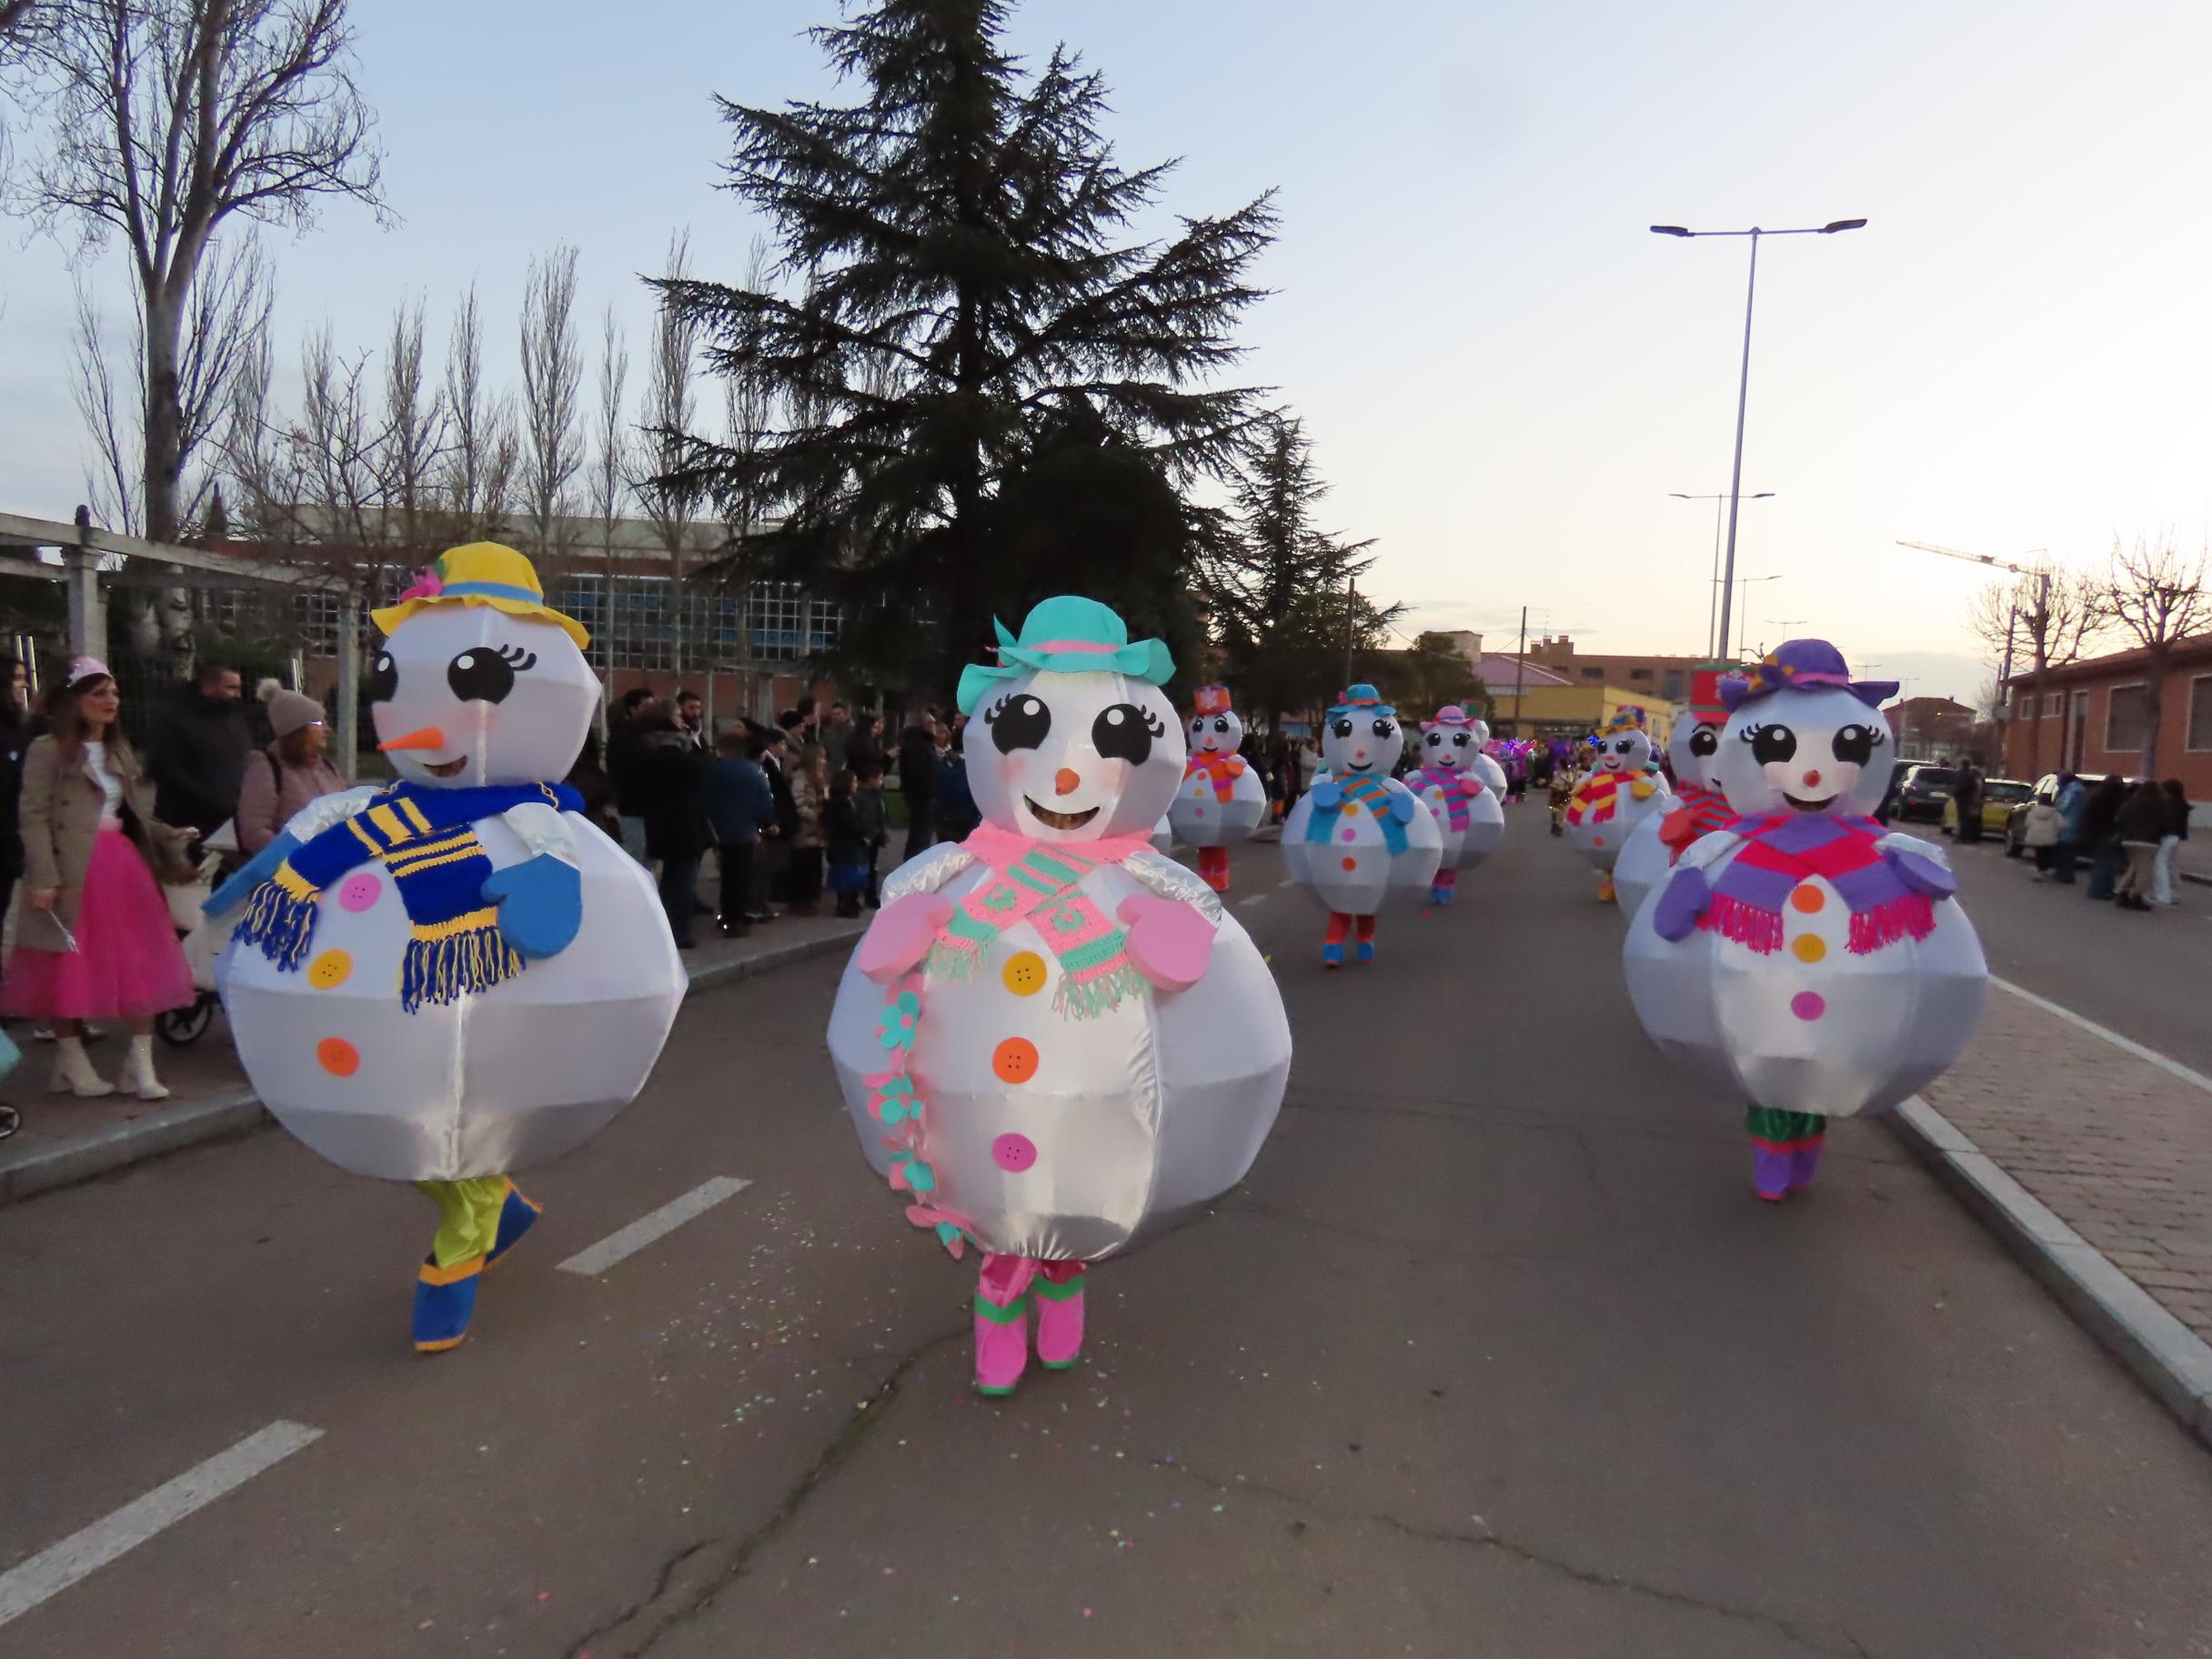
(1570, 712)
(1655, 679)
(1932, 729)
(2091, 717)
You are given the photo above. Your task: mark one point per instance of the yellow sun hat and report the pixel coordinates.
(481, 573)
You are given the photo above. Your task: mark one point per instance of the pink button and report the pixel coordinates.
(1348, 835)
(1197, 811)
(360, 892)
(1808, 1005)
(1014, 1154)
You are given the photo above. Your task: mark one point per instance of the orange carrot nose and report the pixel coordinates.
(1067, 781)
(426, 737)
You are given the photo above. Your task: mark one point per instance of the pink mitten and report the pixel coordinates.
(1169, 942)
(901, 935)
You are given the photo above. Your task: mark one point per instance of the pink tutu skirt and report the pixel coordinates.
(127, 964)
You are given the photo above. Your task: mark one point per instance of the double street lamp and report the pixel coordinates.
(1713, 589)
(1736, 481)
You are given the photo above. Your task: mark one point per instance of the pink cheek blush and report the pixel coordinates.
(360, 892)
(1015, 1153)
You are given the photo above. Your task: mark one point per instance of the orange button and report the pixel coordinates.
(1808, 947)
(1015, 1060)
(1351, 808)
(1807, 898)
(338, 1056)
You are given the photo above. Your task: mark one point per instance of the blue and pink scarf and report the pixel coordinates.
(1782, 849)
(1373, 794)
(1458, 789)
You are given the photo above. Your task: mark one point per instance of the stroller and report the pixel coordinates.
(203, 941)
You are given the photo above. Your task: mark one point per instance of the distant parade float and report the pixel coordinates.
(458, 975)
(1222, 800)
(1053, 1042)
(1700, 808)
(1622, 788)
(1801, 958)
(1359, 835)
(1469, 814)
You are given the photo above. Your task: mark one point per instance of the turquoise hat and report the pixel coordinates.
(1069, 635)
(1363, 699)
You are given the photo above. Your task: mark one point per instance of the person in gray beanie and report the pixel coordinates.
(287, 774)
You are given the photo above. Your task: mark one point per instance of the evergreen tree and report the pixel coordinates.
(952, 307)
(1281, 592)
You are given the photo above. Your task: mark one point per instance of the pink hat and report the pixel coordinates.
(82, 669)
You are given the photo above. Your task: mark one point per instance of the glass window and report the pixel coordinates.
(2200, 712)
(2124, 716)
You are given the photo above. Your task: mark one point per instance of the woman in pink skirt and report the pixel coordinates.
(94, 940)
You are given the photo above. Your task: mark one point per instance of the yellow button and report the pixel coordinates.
(1809, 948)
(1351, 808)
(330, 969)
(1024, 973)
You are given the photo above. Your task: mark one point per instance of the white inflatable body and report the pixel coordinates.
(1199, 818)
(1353, 870)
(1625, 756)
(1691, 747)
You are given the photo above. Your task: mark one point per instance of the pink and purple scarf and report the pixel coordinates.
(1782, 849)
(1458, 790)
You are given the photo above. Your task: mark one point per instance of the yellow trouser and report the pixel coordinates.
(469, 1216)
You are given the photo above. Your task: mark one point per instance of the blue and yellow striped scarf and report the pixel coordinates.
(1373, 794)
(424, 839)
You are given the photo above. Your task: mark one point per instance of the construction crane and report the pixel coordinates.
(2043, 599)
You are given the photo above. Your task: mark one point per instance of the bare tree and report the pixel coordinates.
(413, 435)
(2156, 594)
(552, 386)
(611, 468)
(2055, 618)
(170, 117)
(669, 418)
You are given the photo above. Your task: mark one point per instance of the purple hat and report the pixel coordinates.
(82, 669)
(1802, 662)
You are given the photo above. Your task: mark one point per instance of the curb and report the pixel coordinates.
(2166, 1357)
(239, 1111)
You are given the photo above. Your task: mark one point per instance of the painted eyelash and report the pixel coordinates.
(515, 657)
(1154, 724)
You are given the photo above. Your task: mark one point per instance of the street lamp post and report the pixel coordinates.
(1742, 626)
(1713, 589)
(1736, 476)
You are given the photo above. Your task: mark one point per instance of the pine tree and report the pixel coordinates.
(954, 306)
(1282, 595)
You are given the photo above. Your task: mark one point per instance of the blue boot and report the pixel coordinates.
(445, 1302)
(517, 1215)
(1366, 950)
(1333, 956)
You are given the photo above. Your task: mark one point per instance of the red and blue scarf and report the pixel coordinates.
(1782, 849)
(1372, 793)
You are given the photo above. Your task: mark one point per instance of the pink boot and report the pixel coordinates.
(1001, 1323)
(1058, 1291)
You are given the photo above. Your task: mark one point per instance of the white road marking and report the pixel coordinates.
(2172, 1067)
(52, 1571)
(1288, 881)
(628, 1241)
(1255, 899)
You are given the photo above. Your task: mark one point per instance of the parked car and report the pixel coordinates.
(1925, 792)
(1888, 808)
(2047, 788)
(2000, 796)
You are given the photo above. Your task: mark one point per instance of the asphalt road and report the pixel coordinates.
(2144, 975)
(1493, 1355)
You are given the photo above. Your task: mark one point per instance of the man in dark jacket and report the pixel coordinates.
(672, 771)
(197, 751)
(917, 780)
(622, 740)
(740, 807)
(2101, 834)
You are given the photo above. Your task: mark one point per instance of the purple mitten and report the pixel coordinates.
(1922, 875)
(1681, 902)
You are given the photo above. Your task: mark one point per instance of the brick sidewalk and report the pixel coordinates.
(2120, 1149)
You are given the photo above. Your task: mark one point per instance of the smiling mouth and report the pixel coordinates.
(1808, 806)
(1060, 821)
(446, 768)
(1362, 766)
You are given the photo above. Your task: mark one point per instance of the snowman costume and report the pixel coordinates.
(1800, 956)
(1621, 790)
(455, 975)
(1469, 814)
(1692, 746)
(1221, 800)
(1052, 1039)
(1359, 834)
(1484, 764)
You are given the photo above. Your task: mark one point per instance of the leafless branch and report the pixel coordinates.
(552, 383)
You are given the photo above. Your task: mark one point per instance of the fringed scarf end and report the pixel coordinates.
(1746, 924)
(467, 954)
(280, 918)
(1908, 916)
(1080, 998)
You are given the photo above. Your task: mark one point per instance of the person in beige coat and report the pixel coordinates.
(94, 940)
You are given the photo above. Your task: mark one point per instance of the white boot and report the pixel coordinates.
(138, 1072)
(73, 1072)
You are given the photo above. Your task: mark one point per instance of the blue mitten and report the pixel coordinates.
(541, 904)
(251, 874)
(1403, 804)
(1326, 794)
(1685, 897)
(1922, 875)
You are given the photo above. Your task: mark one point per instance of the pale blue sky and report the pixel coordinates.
(1504, 373)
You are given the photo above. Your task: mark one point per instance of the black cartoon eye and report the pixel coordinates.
(1770, 744)
(482, 675)
(1220, 723)
(1385, 730)
(1125, 732)
(1703, 741)
(383, 682)
(1435, 740)
(1018, 722)
(1856, 744)
(1342, 727)
(1459, 740)
(1197, 726)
